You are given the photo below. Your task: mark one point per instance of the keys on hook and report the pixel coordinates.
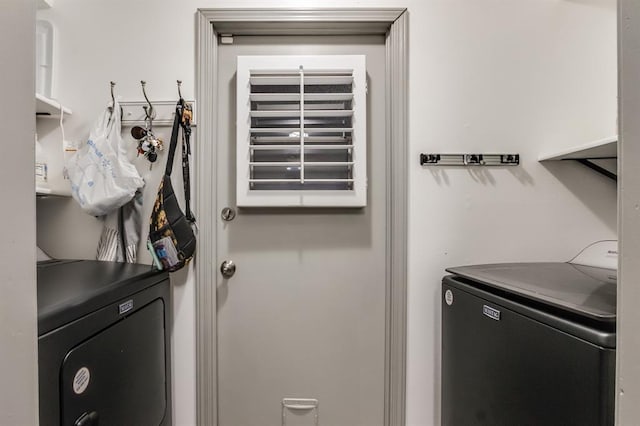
(148, 144)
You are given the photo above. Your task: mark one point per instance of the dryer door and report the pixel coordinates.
(117, 377)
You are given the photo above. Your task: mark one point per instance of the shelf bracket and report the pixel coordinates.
(593, 166)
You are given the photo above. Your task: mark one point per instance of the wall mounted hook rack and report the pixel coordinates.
(469, 159)
(164, 111)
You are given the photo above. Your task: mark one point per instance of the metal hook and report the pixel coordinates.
(179, 84)
(113, 98)
(148, 120)
(147, 110)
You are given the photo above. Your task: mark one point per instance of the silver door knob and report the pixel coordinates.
(228, 268)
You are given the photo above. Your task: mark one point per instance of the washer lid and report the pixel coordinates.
(70, 289)
(584, 290)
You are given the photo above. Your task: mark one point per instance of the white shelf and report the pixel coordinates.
(46, 107)
(42, 191)
(606, 148)
(57, 192)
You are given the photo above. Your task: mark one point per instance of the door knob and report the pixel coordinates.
(228, 268)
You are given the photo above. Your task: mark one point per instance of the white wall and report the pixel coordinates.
(485, 76)
(18, 332)
(628, 346)
(502, 76)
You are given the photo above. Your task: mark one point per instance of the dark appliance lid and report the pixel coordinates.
(70, 289)
(584, 290)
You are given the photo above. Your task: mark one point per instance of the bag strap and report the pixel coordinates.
(182, 120)
(185, 123)
(174, 140)
(123, 233)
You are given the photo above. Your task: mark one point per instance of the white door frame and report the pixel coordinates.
(312, 21)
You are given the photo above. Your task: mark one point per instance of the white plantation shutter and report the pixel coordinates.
(301, 131)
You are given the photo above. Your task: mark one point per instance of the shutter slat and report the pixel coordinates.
(297, 129)
(274, 97)
(295, 107)
(296, 72)
(274, 163)
(307, 113)
(328, 163)
(276, 130)
(295, 97)
(298, 180)
(282, 80)
(291, 80)
(306, 163)
(297, 147)
(334, 140)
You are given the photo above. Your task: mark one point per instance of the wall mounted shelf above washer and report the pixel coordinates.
(46, 107)
(587, 154)
(601, 149)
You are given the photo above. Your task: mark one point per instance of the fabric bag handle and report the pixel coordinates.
(174, 140)
(181, 120)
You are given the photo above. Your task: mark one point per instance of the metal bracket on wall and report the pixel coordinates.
(133, 113)
(593, 166)
(469, 159)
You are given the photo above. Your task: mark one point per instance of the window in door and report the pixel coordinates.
(301, 131)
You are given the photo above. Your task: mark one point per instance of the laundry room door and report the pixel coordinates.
(303, 316)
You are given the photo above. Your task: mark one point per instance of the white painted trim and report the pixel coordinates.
(221, 17)
(205, 207)
(393, 23)
(309, 21)
(397, 214)
(627, 389)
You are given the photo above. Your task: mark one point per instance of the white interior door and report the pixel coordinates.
(304, 314)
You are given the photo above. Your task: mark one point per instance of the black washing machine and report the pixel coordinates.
(103, 344)
(528, 344)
